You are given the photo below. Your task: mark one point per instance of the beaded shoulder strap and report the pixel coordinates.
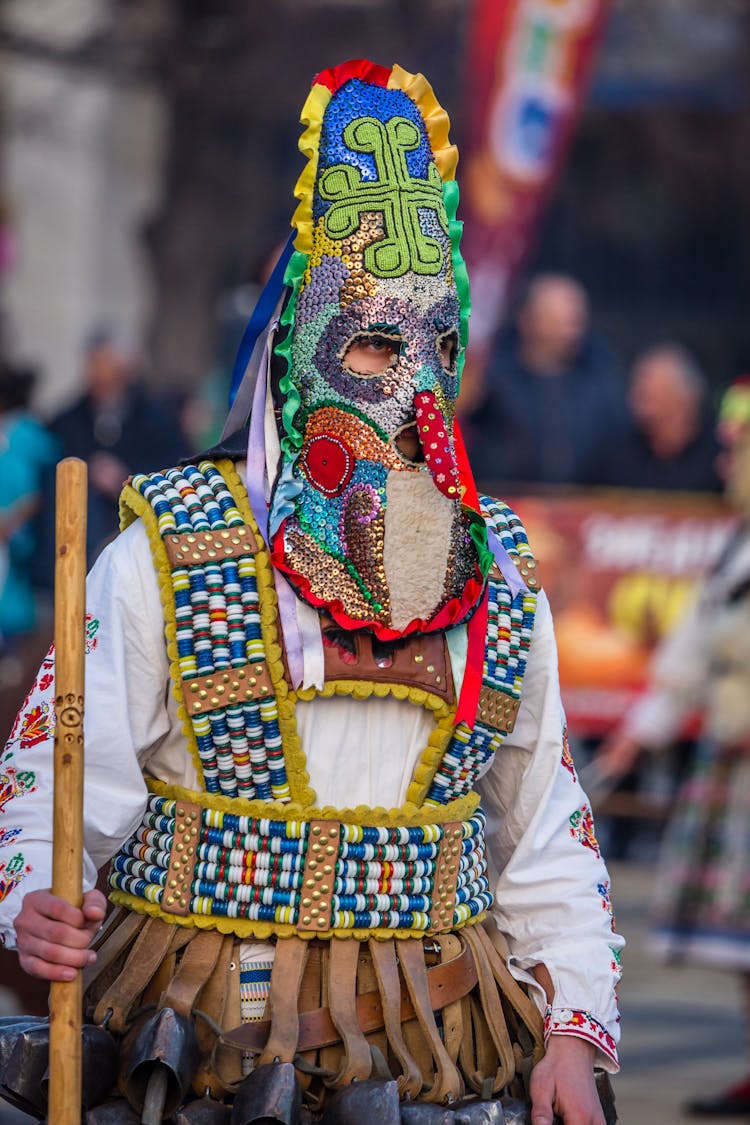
(510, 623)
(226, 668)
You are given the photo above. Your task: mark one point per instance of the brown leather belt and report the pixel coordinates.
(447, 982)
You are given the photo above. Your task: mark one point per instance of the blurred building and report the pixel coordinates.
(651, 212)
(83, 143)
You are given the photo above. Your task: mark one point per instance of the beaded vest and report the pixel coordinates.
(251, 852)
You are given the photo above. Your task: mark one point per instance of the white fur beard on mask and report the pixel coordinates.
(418, 523)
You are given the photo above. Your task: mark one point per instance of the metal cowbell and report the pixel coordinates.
(204, 1111)
(25, 1069)
(425, 1113)
(270, 1094)
(117, 1112)
(372, 1100)
(11, 1028)
(99, 1063)
(165, 1047)
(473, 1111)
(517, 1111)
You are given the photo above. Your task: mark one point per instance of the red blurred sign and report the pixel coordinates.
(619, 569)
(527, 66)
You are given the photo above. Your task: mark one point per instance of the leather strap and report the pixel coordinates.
(197, 964)
(220, 1067)
(342, 1003)
(492, 1011)
(118, 936)
(286, 978)
(523, 1006)
(144, 959)
(450, 948)
(384, 962)
(448, 1084)
(446, 983)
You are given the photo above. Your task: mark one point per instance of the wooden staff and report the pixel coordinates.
(65, 997)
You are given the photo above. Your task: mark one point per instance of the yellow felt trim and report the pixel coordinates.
(416, 87)
(309, 146)
(294, 757)
(363, 689)
(250, 928)
(132, 506)
(366, 816)
(429, 761)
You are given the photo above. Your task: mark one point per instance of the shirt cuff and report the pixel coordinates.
(571, 1021)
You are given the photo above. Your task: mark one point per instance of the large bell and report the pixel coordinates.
(373, 1100)
(204, 1111)
(162, 1054)
(117, 1112)
(473, 1111)
(426, 1113)
(99, 1062)
(270, 1095)
(26, 1052)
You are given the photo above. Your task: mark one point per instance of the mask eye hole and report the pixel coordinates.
(370, 354)
(447, 346)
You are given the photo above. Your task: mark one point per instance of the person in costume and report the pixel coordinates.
(701, 903)
(346, 826)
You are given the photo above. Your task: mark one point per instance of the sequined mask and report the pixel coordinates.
(371, 515)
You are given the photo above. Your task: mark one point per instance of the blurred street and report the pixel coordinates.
(682, 1032)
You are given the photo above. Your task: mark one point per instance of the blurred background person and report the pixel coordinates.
(114, 425)
(554, 400)
(27, 450)
(670, 442)
(702, 896)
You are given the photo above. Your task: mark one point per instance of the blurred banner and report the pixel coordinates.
(526, 67)
(619, 568)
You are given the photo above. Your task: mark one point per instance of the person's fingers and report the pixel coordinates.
(542, 1093)
(44, 904)
(94, 906)
(46, 970)
(38, 949)
(95, 901)
(32, 929)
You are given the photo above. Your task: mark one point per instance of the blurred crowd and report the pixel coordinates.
(559, 408)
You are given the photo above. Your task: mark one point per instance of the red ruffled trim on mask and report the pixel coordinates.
(335, 77)
(470, 497)
(454, 612)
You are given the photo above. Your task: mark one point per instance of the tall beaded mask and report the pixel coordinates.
(373, 511)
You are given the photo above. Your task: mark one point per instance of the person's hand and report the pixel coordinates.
(52, 936)
(616, 756)
(562, 1084)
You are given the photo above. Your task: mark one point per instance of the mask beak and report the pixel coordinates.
(434, 436)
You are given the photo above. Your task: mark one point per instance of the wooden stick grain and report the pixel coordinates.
(67, 857)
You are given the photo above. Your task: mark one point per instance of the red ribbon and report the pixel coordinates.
(468, 701)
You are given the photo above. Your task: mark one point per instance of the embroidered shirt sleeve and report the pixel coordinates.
(552, 898)
(114, 737)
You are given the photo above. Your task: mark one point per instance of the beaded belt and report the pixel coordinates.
(318, 876)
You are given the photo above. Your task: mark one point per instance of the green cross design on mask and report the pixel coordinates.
(397, 195)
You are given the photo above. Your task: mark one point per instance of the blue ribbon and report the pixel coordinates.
(261, 315)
